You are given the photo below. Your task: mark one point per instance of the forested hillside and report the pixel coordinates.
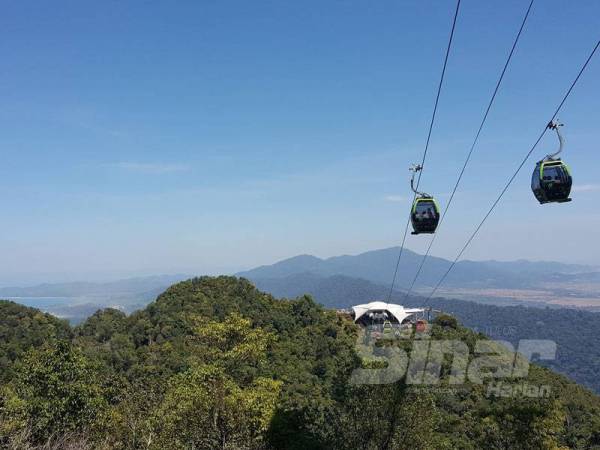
(576, 333)
(215, 363)
(23, 328)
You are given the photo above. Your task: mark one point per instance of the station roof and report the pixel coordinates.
(398, 311)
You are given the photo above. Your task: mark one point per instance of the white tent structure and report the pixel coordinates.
(398, 312)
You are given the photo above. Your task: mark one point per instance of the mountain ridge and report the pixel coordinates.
(377, 266)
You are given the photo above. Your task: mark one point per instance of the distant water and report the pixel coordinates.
(42, 302)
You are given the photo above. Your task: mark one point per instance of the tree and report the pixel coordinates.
(205, 408)
(55, 391)
(446, 320)
(233, 345)
(220, 402)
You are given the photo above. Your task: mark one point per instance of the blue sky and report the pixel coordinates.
(206, 137)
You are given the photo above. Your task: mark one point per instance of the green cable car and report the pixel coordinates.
(551, 180)
(425, 212)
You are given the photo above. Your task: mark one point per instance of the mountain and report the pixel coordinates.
(504, 283)
(530, 283)
(215, 363)
(378, 266)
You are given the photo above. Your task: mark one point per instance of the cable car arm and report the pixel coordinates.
(561, 141)
(414, 169)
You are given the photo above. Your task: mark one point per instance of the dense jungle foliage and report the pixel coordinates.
(574, 331)
(215, 363)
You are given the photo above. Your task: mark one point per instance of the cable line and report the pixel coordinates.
(512, 178)
(470, 153)
(437, 99)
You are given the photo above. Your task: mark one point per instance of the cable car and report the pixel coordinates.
(551, 180)
(425, 213)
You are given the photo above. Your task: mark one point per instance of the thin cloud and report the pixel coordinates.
(395, 198)
(586, 187)
(153, 168)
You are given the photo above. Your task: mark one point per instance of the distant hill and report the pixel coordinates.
(122, 287)
(337, 291)
(377, 266)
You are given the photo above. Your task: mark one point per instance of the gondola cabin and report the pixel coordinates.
(551, 181)
(425, 215)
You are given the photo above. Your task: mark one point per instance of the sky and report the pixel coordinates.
(213, 136)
